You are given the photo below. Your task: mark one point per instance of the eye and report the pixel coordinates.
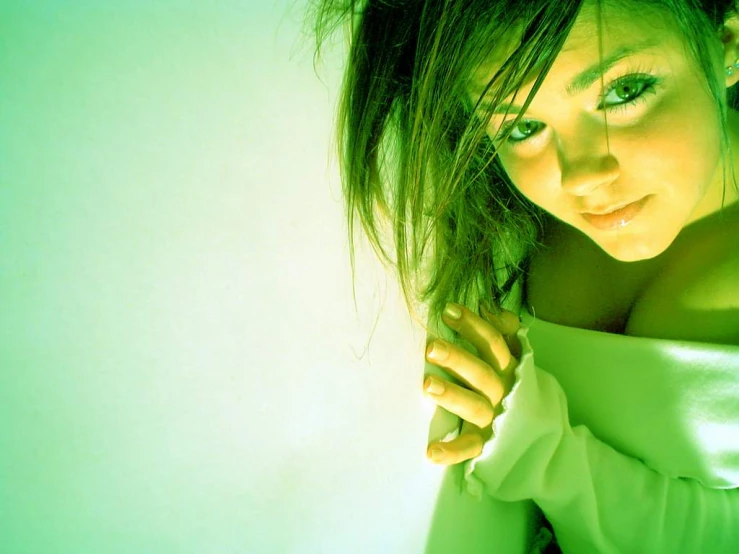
(629, 91)
(623, 93)
(526, 128)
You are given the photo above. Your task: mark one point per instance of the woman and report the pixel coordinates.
(569, 159)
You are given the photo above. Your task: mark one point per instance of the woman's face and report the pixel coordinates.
(662, 136)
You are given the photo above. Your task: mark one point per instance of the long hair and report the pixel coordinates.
(414, 156)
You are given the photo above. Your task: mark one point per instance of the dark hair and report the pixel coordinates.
(414, 151)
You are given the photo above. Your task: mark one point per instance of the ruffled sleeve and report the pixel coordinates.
(596, 498)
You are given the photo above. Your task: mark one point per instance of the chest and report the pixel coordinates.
(690, 292)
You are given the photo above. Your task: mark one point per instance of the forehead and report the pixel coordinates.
(618, 24)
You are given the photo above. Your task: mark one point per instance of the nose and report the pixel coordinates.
(582, 175)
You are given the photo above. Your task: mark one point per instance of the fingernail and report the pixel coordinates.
(438, 350)
(433, 386)
(453, 311)
(436, 454)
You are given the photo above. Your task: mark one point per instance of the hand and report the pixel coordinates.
(489, 379)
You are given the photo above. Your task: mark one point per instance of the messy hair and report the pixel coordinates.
(414, 154)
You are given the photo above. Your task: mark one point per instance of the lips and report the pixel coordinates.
(605, 211)
(618, 218)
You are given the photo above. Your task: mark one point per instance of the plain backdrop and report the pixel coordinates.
(182, 364)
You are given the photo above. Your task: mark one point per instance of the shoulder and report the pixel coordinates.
(690, 293)
(697, 296)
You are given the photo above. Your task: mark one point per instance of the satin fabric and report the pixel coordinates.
(672, 404)
(627, 444)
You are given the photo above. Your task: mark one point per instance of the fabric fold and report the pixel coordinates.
(597, 498)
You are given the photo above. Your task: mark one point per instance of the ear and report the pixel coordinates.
(729, 35)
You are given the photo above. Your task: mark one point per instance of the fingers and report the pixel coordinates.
(466, 446)
(489, 375)
(486, 337)
(470, 369)
(468, 405)
(507, 322)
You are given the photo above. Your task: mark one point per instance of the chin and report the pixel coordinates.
(629, 257)
(633, 248)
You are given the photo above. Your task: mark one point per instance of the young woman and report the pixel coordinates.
(574, 161)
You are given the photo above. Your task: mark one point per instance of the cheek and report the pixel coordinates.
(675, 150)
(534, 175)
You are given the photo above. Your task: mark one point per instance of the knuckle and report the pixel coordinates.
(497, 340)
(482, 415)
(492, 338)
(498, 391)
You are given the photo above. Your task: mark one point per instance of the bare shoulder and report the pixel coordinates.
(689, 293)
(697, 296)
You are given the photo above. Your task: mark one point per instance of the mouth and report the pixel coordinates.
(609, 210)
(617, 217)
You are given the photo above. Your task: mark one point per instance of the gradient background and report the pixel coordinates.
(182, 365)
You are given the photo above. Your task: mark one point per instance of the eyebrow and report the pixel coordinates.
(585, 80)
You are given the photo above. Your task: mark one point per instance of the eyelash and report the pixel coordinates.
(646, 84)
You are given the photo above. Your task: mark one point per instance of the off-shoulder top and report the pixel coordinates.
(626, 444)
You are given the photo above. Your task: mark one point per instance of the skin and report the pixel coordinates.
(489, 377)
(568, 166)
